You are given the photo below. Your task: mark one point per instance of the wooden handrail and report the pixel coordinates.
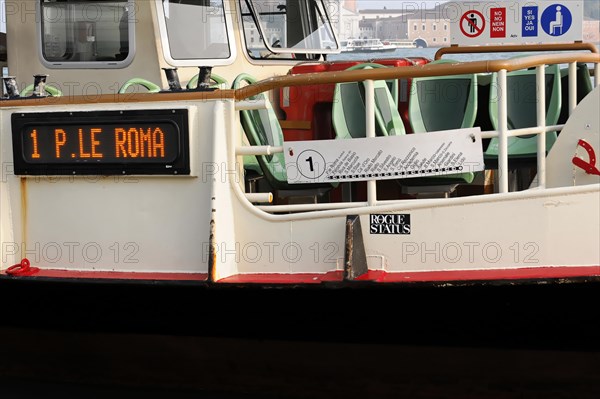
(516, 48)
(320, 78)
(119, 98)
(427, 70)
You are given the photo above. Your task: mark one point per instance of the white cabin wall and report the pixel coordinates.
(8, 242)
(24, 55)
(241, 64)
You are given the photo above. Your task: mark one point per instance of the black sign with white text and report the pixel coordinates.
(389, 224)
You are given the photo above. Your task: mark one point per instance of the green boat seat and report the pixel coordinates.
(584, 87)
(522, 113)
(444, 103)
(348, 112)
(262, 128)
(349, 122)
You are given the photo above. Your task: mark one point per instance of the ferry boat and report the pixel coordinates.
(158, 172)
(366, 46)
(398, 43)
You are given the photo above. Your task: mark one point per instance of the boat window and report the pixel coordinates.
(87, 34)
(287, 28)
(194, 30)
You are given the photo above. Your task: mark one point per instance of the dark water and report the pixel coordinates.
(45, 364)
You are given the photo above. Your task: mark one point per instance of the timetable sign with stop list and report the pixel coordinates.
(384, 158)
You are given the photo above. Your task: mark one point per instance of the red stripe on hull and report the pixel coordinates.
(380, 276)
(377, 276)
(483, 275)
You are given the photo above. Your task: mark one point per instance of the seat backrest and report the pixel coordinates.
(522, 109)
(348, 111)
(443, 102)
(262, 128)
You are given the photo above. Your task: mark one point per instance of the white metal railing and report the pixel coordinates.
(540, 73)
(370, 133)
(503, 133)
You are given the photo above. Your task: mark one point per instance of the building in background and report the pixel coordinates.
(345, 19)
(591, 30)
(426, 28)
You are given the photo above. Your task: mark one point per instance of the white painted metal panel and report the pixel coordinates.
(112, 223)
(583, 124)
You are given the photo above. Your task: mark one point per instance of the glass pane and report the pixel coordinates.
(85, 31)
(196, 29)
(254, 42)
(290, 26)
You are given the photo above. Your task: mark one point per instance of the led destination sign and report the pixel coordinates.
(110, 142)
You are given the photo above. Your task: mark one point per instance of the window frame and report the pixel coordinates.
(195, 62)
(87, 64)
(284, 51)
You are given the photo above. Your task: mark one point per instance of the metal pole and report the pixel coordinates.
(540, 77)
(12, 89)
(502, 132)
(370, 133)
(172, 79)
(572, 87)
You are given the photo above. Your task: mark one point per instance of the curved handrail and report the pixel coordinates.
(427, 70)
(151, 87)
(53, 91)
(516, 48)
(219, 81)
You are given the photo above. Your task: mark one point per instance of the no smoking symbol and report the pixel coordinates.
(472, 23)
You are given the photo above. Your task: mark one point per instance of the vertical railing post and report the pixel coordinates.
(572, 87)
(540, 83)
(502, 131)
(370, 133)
